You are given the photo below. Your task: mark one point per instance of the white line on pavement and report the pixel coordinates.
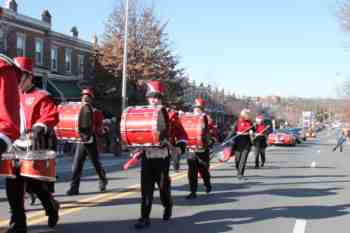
(300, 226)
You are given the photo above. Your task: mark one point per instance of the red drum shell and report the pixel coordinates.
(196, 128)
(144, 126)
(68, 126)
(7, 166)
(40, 165)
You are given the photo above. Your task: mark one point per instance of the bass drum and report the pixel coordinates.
(144, 126)
(8, 165)
(74, 118)
(196, 128)
(40, 165)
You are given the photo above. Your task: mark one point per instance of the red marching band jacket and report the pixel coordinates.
(243, 126)
(177, 131)
(260, 129)
(98, 122)
(9, 104)
(213, 130)
(37, 109)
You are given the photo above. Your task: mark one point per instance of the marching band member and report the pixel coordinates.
(259, 142)
(242, 144)
(88, 147)
(9, 132)
(174, 120)
(38, 116)
(199, 161)
(155, 163)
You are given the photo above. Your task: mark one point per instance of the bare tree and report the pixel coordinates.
(149, 51)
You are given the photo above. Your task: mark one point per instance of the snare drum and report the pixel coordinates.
(196, 128)
(8, 165)
(144, 126)
(72, 116)
(40, 165)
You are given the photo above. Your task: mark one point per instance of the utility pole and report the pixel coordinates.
(125, 58)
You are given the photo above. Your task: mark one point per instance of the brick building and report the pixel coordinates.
(62, 62)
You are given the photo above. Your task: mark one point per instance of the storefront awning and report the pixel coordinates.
(64, 90)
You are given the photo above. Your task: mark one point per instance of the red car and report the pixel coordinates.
(282, 138)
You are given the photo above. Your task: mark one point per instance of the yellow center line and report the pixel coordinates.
(70, 208)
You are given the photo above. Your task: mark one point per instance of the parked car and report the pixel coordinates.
(298, 133)
(310, 134)
(282, 137)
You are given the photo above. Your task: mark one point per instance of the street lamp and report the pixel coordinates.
(125, 57)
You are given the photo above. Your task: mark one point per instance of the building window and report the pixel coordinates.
(3, 41)
(39, 51)
(81, 60)
(21, 45)
(68, 60)
(54, 58)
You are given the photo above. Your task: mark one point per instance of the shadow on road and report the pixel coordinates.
(214, 221)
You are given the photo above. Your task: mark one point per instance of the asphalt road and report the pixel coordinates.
(287, 196)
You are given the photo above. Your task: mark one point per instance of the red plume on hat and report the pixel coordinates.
(155, 88)
(88, 91)
(199, 103)
(25, 64)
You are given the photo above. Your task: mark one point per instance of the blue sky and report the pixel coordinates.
(251, 47)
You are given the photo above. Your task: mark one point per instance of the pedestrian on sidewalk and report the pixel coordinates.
(341, 140)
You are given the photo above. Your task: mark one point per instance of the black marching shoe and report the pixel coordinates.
(191, 196)
(168, 212)
(72, 192)
(142, 223)
(256, 167)
(262, 164)
(103, 185)
(32, 197)
(54, 217)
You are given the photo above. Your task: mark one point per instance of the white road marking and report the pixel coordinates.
(300, 226)
(313, 164)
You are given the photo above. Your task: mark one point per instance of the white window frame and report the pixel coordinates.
(56, 51)
(23, 36)
(81, 64)
(41, 41)
(70, 60)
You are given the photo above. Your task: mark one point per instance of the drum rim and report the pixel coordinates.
(26, 155)
(8, 156)
(38, 177)
(8, 176)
